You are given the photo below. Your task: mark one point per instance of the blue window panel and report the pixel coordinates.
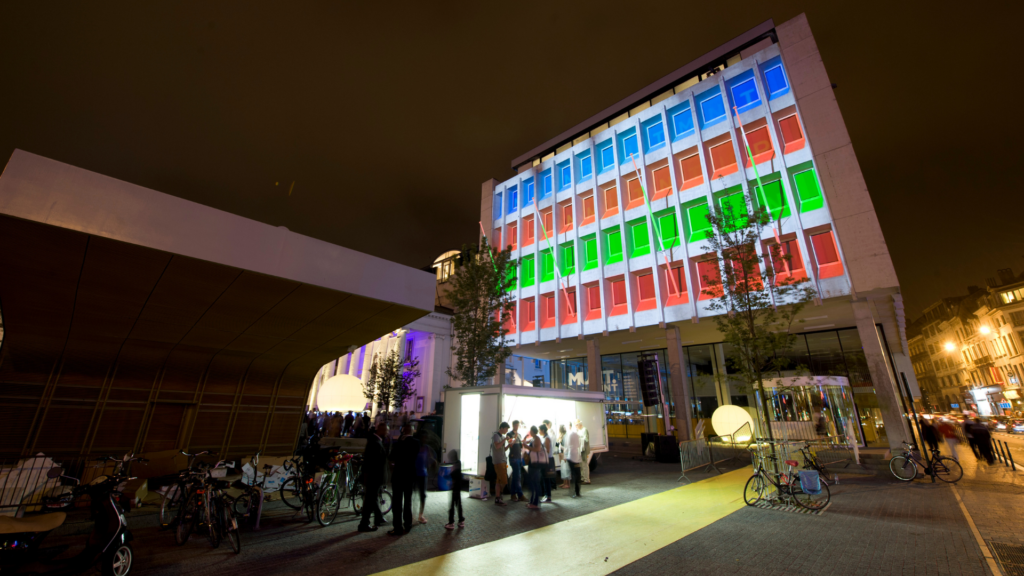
(547, 184)
(513, 200)
(628, 145)
(654, 134)
(607, 157)
(497, 206)
(743, 91)
(680, 121)
(586, 166)
(775, 78)
(711, 106)
(564, 175)
(528, 192)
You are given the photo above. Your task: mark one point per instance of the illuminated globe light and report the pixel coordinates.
(728, 419)
(985, 330)
(341, 393)
(949, 347)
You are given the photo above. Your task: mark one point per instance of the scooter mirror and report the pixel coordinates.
(54, 472)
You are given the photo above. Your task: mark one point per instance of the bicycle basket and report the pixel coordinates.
(810, 482)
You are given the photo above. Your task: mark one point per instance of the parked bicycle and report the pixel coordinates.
(786, 486)
(333, 489)
(904, 466)
(176, 493)
(249, 504)
(300, 490)
(811, 462)
(357, 493)
(206, 505)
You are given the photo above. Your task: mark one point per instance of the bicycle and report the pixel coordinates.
(221, 506)
(249, 504)
(300, 490)
(773, 486)
(332, 492)
(904, 466)
(357, 493)
(175, 495)
(811, 463)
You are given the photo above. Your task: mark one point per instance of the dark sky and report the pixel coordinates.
(388, 116)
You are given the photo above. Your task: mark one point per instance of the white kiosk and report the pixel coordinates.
(472, 414)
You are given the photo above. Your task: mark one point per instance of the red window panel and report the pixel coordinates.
(743, 281)
(568, 302)
(593, 302)
(545, 218)
(691, 171)
(662, 183)
(513, 236)
(547, 311)
(496, 238)
(566, 218)
(723, 160)
(528, 317)
(826, 255)
(528, 231)
(675, 286)
(618, 290)
(589, 213)
(787, 262)
(611, 202)
(635, 194)
(510, 324)
(710, 278)
(792, 135)
(645, 288)
(760, 146)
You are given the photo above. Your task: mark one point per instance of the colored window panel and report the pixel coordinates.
(564, 176)
(593, 302)
(669, 230)
(792, 135)
(630, 149)
(528, 231)
(640, 242)
(634, 193)
(760, 144)
(497, 212)
(645, 290)
(568, 259)
(513, 200)
(511, 323)
(611, 202)
(675, 282)
(512, 276)
(607, 156)
(655, 136)
(775, 79)
(513, 236)
(712, 110)
(614, 246)
(723, 160)
(546, 184)
(589, 211)
(682, 123)
(744, 95)
(826, 255)
(662, 182)
(567, 300)
(786, 261)
(700, 226)
(528, 271)
(547, 266)
(527, 315)
(734, 209)
(807, 191)
(710, 278)
(745, 280)
(618, 290)
(528, 193)
(566, 218)
(773, 198)
(496, 238)
(547, 311)
(586, 167)
(589, 253)
(545, 220)
(691, 170)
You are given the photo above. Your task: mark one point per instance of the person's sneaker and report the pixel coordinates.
(462, 524)
(546, 501)
(449, 526)
(574, 496)
(499, 502)
(367, 528)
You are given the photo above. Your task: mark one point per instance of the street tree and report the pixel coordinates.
(482, 302)
(390, 383)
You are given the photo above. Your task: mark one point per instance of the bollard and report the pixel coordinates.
(999, 453)
(1003, 455)
(1013, 465)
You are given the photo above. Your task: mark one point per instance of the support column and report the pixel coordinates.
(881, 375)
(594, 382)
(678, 383)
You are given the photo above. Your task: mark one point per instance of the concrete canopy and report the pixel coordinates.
(135, 320)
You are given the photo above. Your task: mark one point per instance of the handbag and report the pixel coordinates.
(526, 458)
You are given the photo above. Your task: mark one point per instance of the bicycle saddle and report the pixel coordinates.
(792, 463)
(41, 523)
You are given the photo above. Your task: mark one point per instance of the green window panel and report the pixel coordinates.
(735, 205)
(668, 228)
(639, 241)
(569, 259)
(589, 252)
(529, 271)
(773, 199)
(511, 276)
(613, 245)
(698, 226)
(808, 191)
(547, 266)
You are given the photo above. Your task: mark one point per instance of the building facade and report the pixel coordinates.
(606, 272)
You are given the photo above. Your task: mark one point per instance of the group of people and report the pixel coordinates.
(351, 424)
(978, 435)
(536, 454)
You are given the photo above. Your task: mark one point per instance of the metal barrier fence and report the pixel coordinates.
(709, 452)
(24, 484)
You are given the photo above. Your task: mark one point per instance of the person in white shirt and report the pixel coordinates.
(573, 455)
(584, 451)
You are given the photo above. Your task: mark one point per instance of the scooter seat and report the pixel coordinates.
(40, 523)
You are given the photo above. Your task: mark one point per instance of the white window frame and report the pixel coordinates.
(784, 79)
(680, 113)
(565, 183)
(547, 179)
(663, 138)
(585, 175)
(703, 112)
(625, 153)
(735, 86)
(611, 164)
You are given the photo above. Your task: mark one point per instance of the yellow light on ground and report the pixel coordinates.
(950, 347)
(985, 330)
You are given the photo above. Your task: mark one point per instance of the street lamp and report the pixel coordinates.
(985, 330)
(949, 347)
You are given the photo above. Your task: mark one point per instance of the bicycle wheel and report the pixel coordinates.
(754, 490)
(947, 469)
(328, 504)
(384, 501)
(170, 505)
(186, 519)
(242, 504)
(229, 527)
(903, 468)
(291, 492)
(212, 525)
(809, 501)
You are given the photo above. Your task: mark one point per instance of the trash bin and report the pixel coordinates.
(444, 477)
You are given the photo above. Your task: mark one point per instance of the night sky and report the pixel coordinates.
(388, 116)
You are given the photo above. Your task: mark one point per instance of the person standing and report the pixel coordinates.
(584, 451)
(374, 461)
(538, 461)
(423, 460)
(548, 468)
(563, 443)
(948, 434)
(499, 443)
(453, 459)
(349, 420)
(983, 439)
(970, 436)
(573, 455)
(404, 453)
(515, 460)
(929, 433)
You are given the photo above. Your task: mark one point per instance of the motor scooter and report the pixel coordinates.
(108, 544)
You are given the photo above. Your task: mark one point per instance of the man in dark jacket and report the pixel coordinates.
(374, 461)
(403, 454)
